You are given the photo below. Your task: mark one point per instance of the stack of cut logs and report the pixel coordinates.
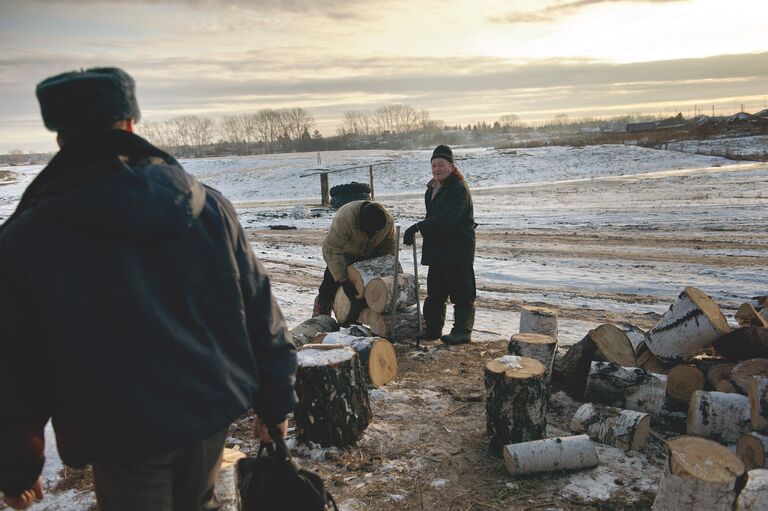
(690, 374)
(374, 281)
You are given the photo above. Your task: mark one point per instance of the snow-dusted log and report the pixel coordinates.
(333, 407)
(605, 342)
(648, 361)
(362, 272)
(625, 429)
(682, 381)
(743, 343)
(306, 331)
(691, 324)
(754, 495)
(538, 320)
(758, 403)
(742, 374)
(563, 453)
(516, 400)
(536, 346)
(699, 474)
(752, 449)
(346, 310)
(378, 292)
(629, 388)
(718, 416)
(747, 316)
(406, 323)
(377, 356)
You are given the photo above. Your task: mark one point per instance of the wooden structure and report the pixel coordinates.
(325, 197)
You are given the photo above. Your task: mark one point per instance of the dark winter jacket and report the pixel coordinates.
(449, 226)
(132, 312)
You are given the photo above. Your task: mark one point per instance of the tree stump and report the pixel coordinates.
(538, 320)
(758, 403)
(306, 331)
(378, 293)
(754, 495)
(648, 361)
(564, 453)
(605, 342)
(699, 475)
(406, 323)
(682, 381)
(743, 343)
(752, 449)
(629, 388)
(362, 272)
(377, 356)
(625, 429)
(333, 407)
(718, 416)
(536, 346)
(691, 324)
(742, 374)
(516, 400)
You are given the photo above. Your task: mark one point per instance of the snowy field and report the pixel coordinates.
(603, 233)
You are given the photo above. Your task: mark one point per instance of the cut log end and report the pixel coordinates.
(382, 363)
(683, 381)
(703, 459)
(515, 367)
(710, 309)
(752, 449)
(614, 345)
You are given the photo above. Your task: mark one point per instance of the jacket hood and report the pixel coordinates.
(126, 187)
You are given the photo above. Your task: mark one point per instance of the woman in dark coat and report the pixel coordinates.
(448, 230)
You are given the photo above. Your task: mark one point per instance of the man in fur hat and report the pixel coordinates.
(133, 314)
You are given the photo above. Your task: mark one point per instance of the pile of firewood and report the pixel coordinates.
(691, 375)
(377, 295)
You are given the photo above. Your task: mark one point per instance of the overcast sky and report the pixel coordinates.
(463, 60)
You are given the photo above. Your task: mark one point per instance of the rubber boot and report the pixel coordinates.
(434, 319)
(463, 322)
(321, 307)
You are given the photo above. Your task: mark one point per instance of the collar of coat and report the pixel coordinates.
(454, 177)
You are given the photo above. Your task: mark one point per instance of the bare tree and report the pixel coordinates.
(509, 120)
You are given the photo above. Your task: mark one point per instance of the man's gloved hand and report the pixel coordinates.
(349, 290)
(410, 234)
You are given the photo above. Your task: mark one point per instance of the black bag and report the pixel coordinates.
(276, 482)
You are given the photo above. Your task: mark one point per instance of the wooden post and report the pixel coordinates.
(370, 176)
(325, 195)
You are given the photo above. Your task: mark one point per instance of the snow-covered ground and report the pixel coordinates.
(754, 146)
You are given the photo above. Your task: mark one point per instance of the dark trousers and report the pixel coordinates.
(458, 284)
(181, 480)
(328, 287)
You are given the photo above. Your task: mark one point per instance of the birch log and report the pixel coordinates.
(378, 359)
(362, 272)
(691, 324)
(625, 429)
(605, 342)
(754, 495)
(758, 403)
(682, 381)
(648, 361)
(306, 331)
(333, 407)
(742, 374)
(536, 346)
(718, 416)
(406, 323)
(538, 320)
(628, 388)
(699, 475)
(717, 372)
(378, 292)
(747, 316)
(564, 453)
(752, 449)
(743, 343)
(346, 310)
(635, 334)
(516, 400)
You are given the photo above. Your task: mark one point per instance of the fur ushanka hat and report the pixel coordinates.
(78, 98)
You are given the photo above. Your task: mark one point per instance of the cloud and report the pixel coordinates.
(561, 10)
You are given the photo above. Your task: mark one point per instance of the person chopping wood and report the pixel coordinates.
(448, 230)
(360, 230)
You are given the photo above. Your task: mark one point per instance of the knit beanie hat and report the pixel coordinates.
(372, 217)
(78, 98)
(444, 152)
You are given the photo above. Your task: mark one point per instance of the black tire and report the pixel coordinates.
(350, 188)
(339, 200)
